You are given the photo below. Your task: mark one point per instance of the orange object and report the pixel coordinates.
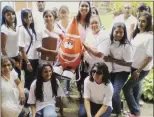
(71, 48)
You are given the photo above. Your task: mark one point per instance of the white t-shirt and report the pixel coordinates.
(44, 34)
(131, 20)
(12, 46)
(101, 42)
(10, 96)
(143, 48)
(122, 52)
(47, 94)
(38, 21)
(24, 41)
(98, 93)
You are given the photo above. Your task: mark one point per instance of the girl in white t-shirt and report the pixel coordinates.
(43, 92)
(9, 40)
(49, 31)
(100, 43)
(64, 19)
(98, 93)
(12, 91)
(121, 58)
(27, 42)
(142, 62)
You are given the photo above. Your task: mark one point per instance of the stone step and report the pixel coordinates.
(71, 112)
(72, 101)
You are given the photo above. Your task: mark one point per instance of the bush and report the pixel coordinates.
(147, 90)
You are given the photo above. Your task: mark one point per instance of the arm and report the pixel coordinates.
(44, 50)
(87, 107)
(21, 90)
(122, 62)
(145, 63)
(60, 104)
(113, 60)
(33, 108)
(101, 111)
(3, 44)
(93, 51)
(25, 57)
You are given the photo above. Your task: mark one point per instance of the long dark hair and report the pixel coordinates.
(24, 14)
(87, 19)
(101, 67)
(124, 39)
(39, 82)
(5, 10)
(149, 23)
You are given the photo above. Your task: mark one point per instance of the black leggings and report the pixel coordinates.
(30, 76)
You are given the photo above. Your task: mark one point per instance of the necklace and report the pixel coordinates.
(6, 78)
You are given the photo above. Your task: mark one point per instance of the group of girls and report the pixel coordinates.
(109, 59)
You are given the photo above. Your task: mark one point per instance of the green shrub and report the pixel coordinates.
(147, 90)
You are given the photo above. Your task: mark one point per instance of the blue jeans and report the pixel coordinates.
(67, 85)
(118, 80)
(132, 92)
(94, 110)
(48, 111)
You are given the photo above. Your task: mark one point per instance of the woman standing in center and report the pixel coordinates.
(49, 32)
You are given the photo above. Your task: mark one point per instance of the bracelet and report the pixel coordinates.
(28, 63)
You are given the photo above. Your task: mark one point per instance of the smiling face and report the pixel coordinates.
(63, 13)
(142, 23)
(10, 17)
(95, 24)
(6, 66)
(84, 8)
(118, 33)
(28, 20)
(97, 75)
(47, 72)
(49, 18)
(70, 49)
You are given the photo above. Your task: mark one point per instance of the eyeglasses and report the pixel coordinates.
(97, 72)
(6, 65)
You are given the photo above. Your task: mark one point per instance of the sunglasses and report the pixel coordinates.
(97, 72)
(6, 65)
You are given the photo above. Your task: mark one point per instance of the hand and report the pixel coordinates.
(108, 59)
(89, 115)
(135, 75)
(85, 45)
(29, 67)
(22, 98)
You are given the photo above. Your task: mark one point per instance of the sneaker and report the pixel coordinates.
(141, 102)
(130, 115)
(67, 93)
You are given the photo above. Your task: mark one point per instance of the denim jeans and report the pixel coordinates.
(48, 111)
(132, 92)
(118, 80)
(94, 110)
(67, 85)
